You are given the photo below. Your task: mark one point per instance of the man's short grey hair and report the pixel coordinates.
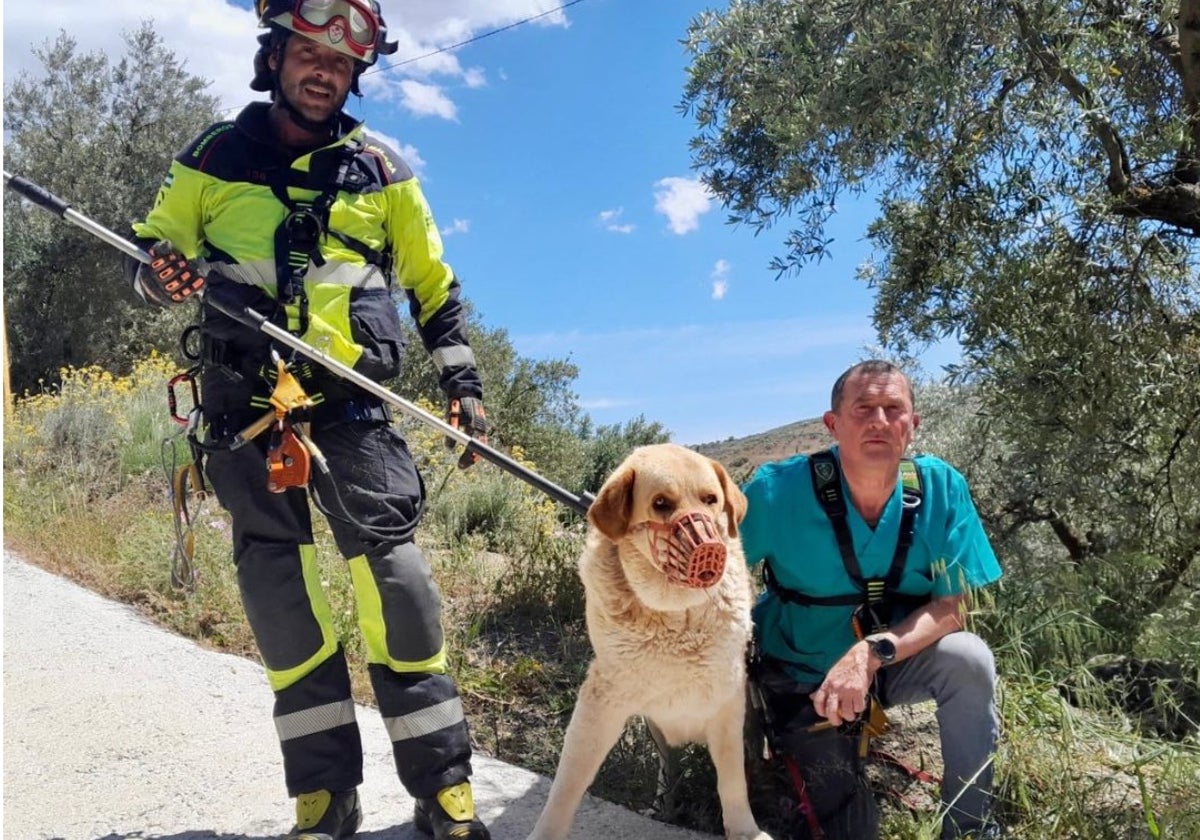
(871, 366)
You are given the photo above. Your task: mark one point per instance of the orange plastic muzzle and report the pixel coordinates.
(688, 549)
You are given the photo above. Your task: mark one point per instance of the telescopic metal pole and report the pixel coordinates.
(244, 315)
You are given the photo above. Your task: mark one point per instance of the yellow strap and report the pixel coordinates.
(910, 476)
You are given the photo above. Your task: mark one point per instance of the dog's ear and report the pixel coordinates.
(735, 500)
(611, 511)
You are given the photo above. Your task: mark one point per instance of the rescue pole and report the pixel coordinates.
(248, 317)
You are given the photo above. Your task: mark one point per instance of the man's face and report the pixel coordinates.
(314, 78)
(875, 421)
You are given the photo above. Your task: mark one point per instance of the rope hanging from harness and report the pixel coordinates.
(186, 482)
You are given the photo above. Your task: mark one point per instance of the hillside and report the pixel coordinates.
(741, 456)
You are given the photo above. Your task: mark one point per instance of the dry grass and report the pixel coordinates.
(85, 498)
(742, 456)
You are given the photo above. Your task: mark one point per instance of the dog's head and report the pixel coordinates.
(673, 513)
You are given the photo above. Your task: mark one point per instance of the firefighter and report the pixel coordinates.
(292, 210)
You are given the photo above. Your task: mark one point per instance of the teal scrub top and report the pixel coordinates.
(786, 525)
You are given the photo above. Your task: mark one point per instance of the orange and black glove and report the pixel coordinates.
(169, 278)
(467, 415)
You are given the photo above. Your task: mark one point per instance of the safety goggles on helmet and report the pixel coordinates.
(351, 27)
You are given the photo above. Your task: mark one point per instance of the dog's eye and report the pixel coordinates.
(662, 504)
(709, 498)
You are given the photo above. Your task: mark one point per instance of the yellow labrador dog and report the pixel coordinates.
(668, 615)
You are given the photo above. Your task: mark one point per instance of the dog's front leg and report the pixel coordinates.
(594, 728)
(725, 745)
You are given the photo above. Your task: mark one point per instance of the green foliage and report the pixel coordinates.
(513, 606)
(1038, 169)
(1072, 596)
(529, 401)
(99, 135)
(495, 514)
(611, 444)
(534, 409)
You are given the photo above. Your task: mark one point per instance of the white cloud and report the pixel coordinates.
(422, 29)
(427, 100)
(407, 151)
(457, 226)
(683, 201)
(475, 78)
(605, 403)
(413, 158)
(439, 23)
(611, 221)
(216, 39)
(720, 279)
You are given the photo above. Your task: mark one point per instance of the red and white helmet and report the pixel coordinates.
(352, 27)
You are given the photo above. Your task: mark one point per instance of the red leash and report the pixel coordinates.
(919, 775)
(804, 802)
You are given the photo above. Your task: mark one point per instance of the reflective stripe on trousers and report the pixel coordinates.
(398, 607)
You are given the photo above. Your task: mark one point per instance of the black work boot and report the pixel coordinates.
(326, 814)
(450, 815)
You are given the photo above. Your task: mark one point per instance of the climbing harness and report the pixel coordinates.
(255, 321)
(877, 599)
(875, 604)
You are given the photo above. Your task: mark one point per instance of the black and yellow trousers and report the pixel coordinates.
(375, 494)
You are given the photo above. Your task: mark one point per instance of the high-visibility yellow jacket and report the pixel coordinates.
(219, 206)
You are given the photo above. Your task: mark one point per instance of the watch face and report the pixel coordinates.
(885, 649)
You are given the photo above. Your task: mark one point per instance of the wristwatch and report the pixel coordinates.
(882, 648)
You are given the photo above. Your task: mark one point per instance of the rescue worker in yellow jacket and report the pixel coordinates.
(294, 211)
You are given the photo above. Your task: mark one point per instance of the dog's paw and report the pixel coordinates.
(761, 835)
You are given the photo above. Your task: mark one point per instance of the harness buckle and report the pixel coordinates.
(865, 620)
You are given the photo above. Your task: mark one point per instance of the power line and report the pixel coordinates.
(473, 39)
(449, 47)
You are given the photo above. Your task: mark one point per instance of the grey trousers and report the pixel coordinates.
(958, 672)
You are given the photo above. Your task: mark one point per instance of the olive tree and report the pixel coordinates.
(1037, 172)
(99, 134)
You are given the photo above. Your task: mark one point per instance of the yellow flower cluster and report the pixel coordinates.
(88, 407)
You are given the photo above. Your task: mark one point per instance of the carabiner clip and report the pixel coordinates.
(192, 417)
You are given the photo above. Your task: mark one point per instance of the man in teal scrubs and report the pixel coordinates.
(869, 561)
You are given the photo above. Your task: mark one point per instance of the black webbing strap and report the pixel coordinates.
(827, 485)
(795, 596)
(298, 237)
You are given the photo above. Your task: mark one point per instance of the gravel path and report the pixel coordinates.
(117, 729)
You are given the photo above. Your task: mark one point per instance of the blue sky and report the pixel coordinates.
(557, 164)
